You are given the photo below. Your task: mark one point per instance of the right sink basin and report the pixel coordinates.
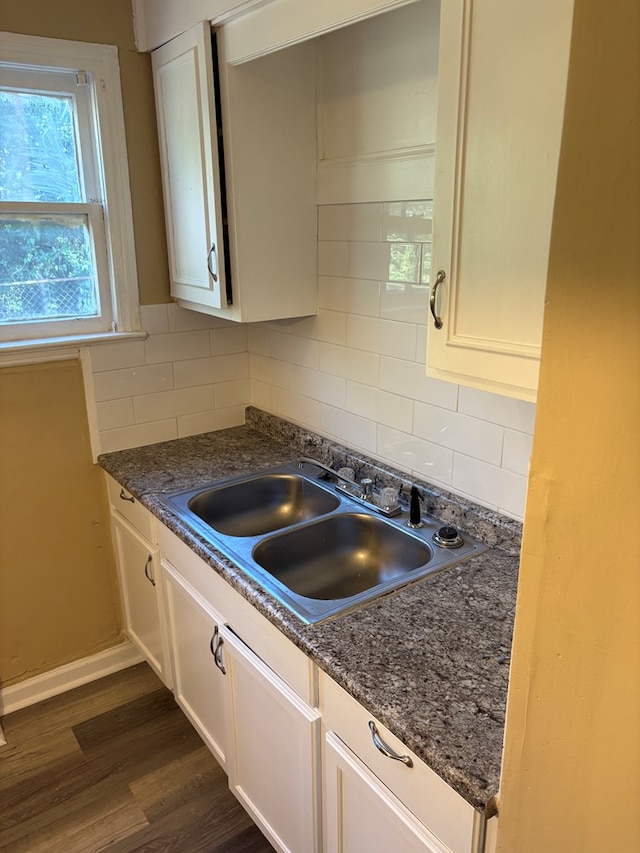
(341, 556)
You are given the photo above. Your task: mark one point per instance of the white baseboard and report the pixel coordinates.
(67, 677)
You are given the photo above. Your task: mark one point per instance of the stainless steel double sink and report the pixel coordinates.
(315, 549)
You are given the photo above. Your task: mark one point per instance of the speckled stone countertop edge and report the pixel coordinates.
(443, 691)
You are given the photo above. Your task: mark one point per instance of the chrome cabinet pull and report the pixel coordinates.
(440, 277)
(212, 251)
(125, 497)
(147, 574)
(381, 746)
(216, 650)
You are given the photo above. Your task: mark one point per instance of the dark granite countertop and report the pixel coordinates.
(431, 660)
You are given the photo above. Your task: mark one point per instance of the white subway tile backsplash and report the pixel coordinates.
(228, 339)
(168, 404)
(404, 302)
(353, 430)
(177, 346)
(113, 414)
(259, 339)
(217, 368)
(506, 411)
(129, 382)
(271, 371)
(385, 337)
(294, 406)
(409, 379)
(350, 363)
(517, 451)
(349, 295)
(333, 258)
(155, 319)
(431, 461)
(234, 393)
(350, 222)
(320, 386)
(369, 261)
(329, 326)
(490, 483)
(113, 356)
(421, 347)
(462, 433)
(380, 406)
(295, 349)
(407, 221)
(261, 395)
(209, 421)
(138, 436)
(355, 371)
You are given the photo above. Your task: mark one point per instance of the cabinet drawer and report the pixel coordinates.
(131, 509)
(449, 817)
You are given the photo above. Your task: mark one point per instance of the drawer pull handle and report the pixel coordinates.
(125, 497)
(147, 573)
(216, 650)
(381, 746)
(440, 277)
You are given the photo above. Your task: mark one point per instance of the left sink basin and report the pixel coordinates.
(261, 504)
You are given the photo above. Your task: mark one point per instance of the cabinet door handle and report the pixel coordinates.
(216, 650)
(440, 277)
(212, 252)
(381, 746)
(147, 573)
(125, 497)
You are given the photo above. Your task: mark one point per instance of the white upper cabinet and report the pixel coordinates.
(265, 266)
(502, 86)
(186, 115)
(283, 23)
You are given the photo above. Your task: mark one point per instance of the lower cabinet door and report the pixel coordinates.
(198, 671)
(273, 750)
(362, 814)
(138, 568)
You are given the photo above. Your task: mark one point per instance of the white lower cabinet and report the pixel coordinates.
(362, 814)
(199, 682)
(376, 790)
(138, 567)
(310, 765)
(274, 739)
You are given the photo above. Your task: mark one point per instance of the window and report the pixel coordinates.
(66, 242)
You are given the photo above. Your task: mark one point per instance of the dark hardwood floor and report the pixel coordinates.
(115, 765)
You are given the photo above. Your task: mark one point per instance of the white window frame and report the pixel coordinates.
(100, 63)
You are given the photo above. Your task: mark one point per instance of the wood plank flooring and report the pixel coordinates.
(115, 765)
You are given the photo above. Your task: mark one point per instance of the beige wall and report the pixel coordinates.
(111, 22)
(58, 594)
(571, 781)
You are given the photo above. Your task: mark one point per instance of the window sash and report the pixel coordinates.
(106, 177)
(54, 327)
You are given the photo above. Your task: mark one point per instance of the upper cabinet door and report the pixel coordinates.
(186, 114)
(502, 86)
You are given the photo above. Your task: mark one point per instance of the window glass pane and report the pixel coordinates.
(38, 159)
(46, 268)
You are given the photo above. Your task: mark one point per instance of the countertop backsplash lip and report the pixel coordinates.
(429, 660)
